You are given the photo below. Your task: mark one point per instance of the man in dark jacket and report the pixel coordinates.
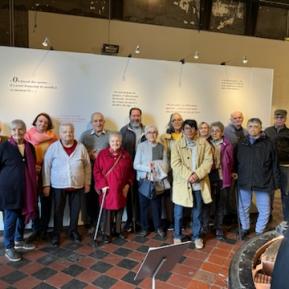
(132, 135)
(258, 171)
(279, 134)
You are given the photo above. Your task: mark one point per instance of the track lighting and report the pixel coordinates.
(196, 55)
(137, 50)
(245, 60)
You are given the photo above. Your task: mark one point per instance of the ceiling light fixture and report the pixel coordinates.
(196, 55)
(137, 50)
(245, 60)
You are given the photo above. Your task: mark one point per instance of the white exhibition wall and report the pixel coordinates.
(70, 86)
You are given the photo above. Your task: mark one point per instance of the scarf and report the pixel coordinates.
(29, 192)
(40, 141)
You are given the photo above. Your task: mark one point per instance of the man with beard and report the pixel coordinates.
(132, 135)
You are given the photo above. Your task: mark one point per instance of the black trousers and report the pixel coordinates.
(111, 221)
(219, 197)
(59, 199)
(91, 206)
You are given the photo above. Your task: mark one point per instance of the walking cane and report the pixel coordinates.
(239, 235)
(99, 215)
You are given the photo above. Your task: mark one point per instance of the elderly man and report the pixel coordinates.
(66, 172)
(132, 135)
(279, 134)
(258, 172)
(234, 131)
(94, 140)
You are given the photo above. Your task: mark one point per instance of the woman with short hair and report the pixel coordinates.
(113, 175)
(17, 189)
(66, 173)
(151, 158)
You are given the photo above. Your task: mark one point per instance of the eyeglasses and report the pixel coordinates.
(279, 117)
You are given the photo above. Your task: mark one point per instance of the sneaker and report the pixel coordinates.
(199, 244)
(177, 241)
(21, 245)
(12, 255)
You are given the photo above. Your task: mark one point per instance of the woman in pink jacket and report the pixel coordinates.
(113, 175)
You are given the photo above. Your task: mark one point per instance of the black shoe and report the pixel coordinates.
(122, 236)
(106, 239)
(161, 233)
(143, 233)
(33, 237)
(74, 236)
(55, 241)
(244, 234)
(43, 235)
(219, 234)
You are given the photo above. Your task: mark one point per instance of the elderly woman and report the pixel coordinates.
(191, 163)
(41, 136)
(66, 172)
(113, 175)
(17, 189)
(204, 130)
(220, 177)
(150, 161)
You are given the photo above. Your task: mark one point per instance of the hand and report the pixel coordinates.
(86, 188)
(151, 166)
(125, 190)
(38, 169)
(193, 178)
(93, 155)
(234, 176)
(46, 191)
(104, 190)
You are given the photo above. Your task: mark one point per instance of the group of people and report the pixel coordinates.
(190, 171)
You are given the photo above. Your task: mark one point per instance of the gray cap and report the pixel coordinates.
(280, 112)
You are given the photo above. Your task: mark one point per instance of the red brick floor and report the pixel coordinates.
(114, 265)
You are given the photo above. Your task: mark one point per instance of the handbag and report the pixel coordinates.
(147, 188)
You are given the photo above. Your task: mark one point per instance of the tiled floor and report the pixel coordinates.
(114, 265)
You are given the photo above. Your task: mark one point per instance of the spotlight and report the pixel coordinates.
(245, 60)
(182, 61)
(45, 42)
(137, 50)
(196, 55)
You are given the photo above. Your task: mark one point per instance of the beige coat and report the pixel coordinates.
(181, 163)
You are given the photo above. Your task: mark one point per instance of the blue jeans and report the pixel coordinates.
(263, 200)
(13, 227)
(196, 217)
(284, 178)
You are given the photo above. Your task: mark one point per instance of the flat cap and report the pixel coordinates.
(280, 112)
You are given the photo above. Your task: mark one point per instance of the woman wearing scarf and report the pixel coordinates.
(113, 175)
(17, 189)
(41, 136)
